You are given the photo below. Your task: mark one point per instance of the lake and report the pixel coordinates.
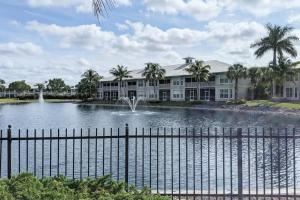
(157, 163)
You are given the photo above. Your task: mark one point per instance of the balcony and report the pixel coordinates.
(132, 87)
(109, 88)
(164, 86)
(202, 84)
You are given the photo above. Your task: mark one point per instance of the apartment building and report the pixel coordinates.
(178, 85)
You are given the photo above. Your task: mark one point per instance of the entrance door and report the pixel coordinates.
(192, 95)
(206, 95)
(164, 96)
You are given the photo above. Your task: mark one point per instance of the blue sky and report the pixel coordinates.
(43, 39)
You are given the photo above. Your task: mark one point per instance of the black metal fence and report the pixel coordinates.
(183, 162)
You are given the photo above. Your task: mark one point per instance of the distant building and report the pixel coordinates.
(178, 85)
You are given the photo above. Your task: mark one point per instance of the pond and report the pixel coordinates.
(68, 115)
(164, 163)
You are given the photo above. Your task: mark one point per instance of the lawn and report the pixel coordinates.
(268, 103)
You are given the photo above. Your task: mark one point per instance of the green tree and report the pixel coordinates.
(285, 68)
(120, 73)
(200, 72)
(154, 72)
(236, 72)
(255, 76)
(19, 86)
(40, 86)
(278, 40)
(2, 86)
(57, 85)
(89, 82)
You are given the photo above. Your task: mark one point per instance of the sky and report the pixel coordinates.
(44, 39)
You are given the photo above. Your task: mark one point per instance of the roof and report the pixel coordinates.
(178, 70)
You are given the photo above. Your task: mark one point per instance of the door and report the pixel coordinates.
(164, 95)
(192, 95)
(206, 95)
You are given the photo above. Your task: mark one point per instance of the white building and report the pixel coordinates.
(178, 85)
(291, 88)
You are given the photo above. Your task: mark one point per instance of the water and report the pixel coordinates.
(41, 97)
(68, 115)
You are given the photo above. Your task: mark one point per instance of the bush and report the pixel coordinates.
(27, 187)
(236, 102)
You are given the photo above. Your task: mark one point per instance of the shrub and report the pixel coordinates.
(236, 102)
(27, 187)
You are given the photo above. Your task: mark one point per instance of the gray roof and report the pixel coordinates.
(178, 70)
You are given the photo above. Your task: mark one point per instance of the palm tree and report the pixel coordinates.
(285, 68)
(92, 78)
(101, 7)
(278, 40)
(2, 86)
(154, 72)
(255, 75)
(236, 72)
(120, 72)
(200, 72)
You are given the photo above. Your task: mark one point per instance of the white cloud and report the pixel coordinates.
(83, 62)
(199, 9)
(294, 19)
(83, 6)
(26, 48)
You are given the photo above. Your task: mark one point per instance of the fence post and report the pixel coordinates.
(126, 154)
(9, 152)
(240, 162)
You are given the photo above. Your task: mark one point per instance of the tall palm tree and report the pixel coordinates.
(236, 72)
(285, 68)
(120, 73)
(2, 86)
(279, 40)
(255, 75)
(200, 72)
(154, 72)
(101, 7)
(92, 78)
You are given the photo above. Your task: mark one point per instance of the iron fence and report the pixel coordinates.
(181, 162)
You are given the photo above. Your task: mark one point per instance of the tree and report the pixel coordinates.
(19, 86)
(154, 72)
(236, 72)
(2, 86)
(255, 75)
(278, 40)
(200, 72)
(101, 7)
(89, 82)
(40, 86)
(57, 85)
(120, 73)
(285, 68)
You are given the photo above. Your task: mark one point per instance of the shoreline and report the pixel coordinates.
(205, 107)
(16, 101)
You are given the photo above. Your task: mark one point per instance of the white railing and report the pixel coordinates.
(164, 86)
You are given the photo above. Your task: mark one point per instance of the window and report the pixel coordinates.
(230, 92)
(152, 96)
(224, 80)
(133, 83)
(296, 92)
(152, 83)
(224, 93)
(176, 82)
(140, 83)
(289, 92)
(165, 81)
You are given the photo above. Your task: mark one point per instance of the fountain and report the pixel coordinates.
(41, 97)
(132, 102)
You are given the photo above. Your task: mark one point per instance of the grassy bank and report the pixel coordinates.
(17, 101)
(152, 103)
(268, 103)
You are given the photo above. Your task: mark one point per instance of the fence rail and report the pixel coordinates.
(182, 162)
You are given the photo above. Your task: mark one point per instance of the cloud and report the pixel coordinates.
(82, 6)
(199, 9)
(294, 19)
(26, 48)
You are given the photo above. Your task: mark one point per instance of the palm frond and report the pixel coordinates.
(101, 7)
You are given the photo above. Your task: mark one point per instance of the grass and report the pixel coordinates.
(17, 101)
(268, 103)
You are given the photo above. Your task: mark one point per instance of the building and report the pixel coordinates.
(291, 87)
(178, 85)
